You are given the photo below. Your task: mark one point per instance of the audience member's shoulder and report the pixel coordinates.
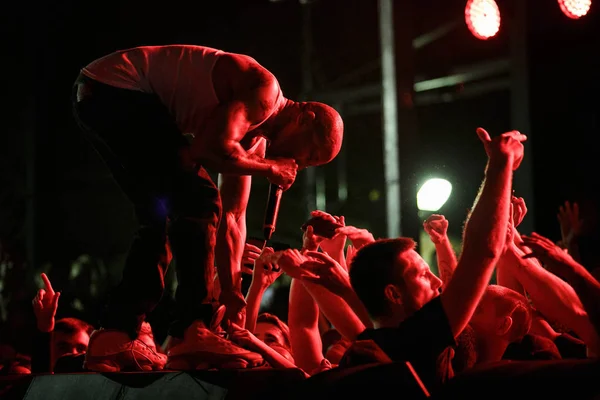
(465, 354)
(570, 346)
(432, 313)
(532, 347)
(364, 351)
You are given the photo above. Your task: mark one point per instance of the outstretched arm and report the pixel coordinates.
(436, 227)
(264, 274)
(303, 320)
(485, 232)
(45, 305)
(552, 296)
(587, 288)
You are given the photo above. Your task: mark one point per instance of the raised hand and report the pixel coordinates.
(265, 270)
(329, 273)
(570, 222)
(322, 226)
(290, 261)
(242, 337)
(519, 210)
(358, 237)
(45, 304)
(310, 241)
(436, 227)
(283, 172)
(350, 253)
(251, 253)
(335, 244)
(556, 260)
(507, 147)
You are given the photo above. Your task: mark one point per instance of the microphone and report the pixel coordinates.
(271, 212)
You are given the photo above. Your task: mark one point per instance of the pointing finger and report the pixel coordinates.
(47, 284)
(484, 136)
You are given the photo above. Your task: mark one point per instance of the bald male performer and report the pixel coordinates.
(159, 115)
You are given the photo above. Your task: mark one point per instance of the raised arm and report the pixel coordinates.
(584, 284)
(246, 339)
(551, 295)
(264, 274)
(436, 227)
(485, 232)
(335, 308)
(45, 304)
(303, 320)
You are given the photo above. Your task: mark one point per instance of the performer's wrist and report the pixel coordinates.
(271, 170)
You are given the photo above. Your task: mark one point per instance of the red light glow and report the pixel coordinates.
(483, 18)
(575, 8)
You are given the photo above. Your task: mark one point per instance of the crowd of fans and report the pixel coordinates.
(355, 300)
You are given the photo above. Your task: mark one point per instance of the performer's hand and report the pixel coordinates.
(283, 172)
(45, 304)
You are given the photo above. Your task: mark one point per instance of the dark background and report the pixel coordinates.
(80, 211)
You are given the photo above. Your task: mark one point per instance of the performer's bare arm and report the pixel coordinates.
(218, 147)
(231, 236)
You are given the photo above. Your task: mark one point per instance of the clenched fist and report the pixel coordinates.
(283, 172)
(436, 227)
(507, 147)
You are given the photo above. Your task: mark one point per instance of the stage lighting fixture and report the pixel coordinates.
(575, 9)
(483, 18)
(433, 194)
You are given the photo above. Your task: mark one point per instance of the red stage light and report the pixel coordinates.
(575, 8)
(483, 18)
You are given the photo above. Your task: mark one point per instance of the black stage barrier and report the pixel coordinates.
(565, 379)
(370, 381)
(263, 384)
(511, 380)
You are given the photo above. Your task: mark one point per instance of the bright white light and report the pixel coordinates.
(433, 194)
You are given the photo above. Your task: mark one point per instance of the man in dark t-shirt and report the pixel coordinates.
(424, 339)
(412, 321)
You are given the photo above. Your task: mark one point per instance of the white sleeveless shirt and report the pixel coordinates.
(180, 75)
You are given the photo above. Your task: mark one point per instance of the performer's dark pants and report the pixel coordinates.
(139, 141)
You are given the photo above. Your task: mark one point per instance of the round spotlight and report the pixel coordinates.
(433, 194)
(575, 9)
(483, 18)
